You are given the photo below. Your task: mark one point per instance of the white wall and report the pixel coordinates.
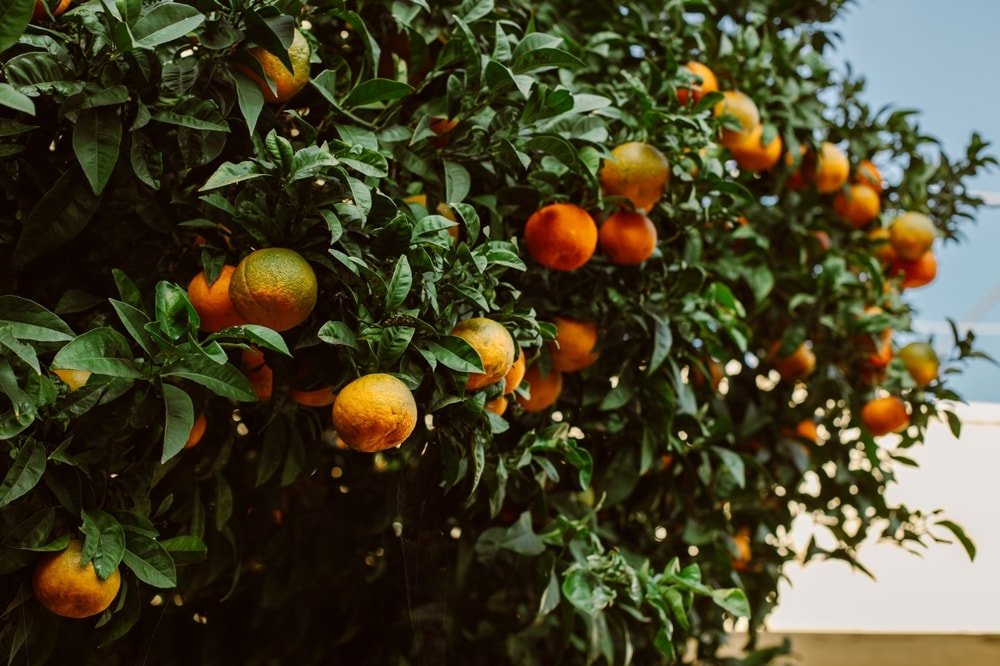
(940, 592)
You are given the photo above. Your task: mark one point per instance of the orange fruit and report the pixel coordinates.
(74, 379)
(374, 413)
(806, 429)
(493, 344)
(798, 365)
(441, 128)
(637, 171)
(321, 397)
(716, 373)
(627, 237)
(881, 416)
(287, 83)
(832, 168)
(274, 287)
(916, 273)
(741, 107)
(796, 180)
(562, 237)
(197, 431)
(443, 209)
(868, 174)
(878, 354)
(858, 205)
(921, 362)
(883, 249)
(516, 374)
(39, 12)
(912, 235)
(544, 389)
(741, 540)
(751, 154)
(67, 586)
(259, 373)
(573, 348)
(696, 91)
(498, 406)
(666, 461)
(212, 302)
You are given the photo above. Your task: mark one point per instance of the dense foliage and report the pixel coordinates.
(642, 512)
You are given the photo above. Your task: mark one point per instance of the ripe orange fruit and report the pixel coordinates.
(697, 90)
(797, 178)
(321, 397)
(916, 273)
(259, 373)
(637, 171)
(68, 587)
(498, 406)
(716, 373)
(741, 540)
(832, 168)
(544, 389)
(806, 429)
(858, 205)
(741, 107)
(442, 127)
(751, 154)
(884, 415)
(562, 237)
(374, 413)
(197, 431)
(74, 379)
(212, 302)
(883, 249)
(798, 365)
(868, 174)
(627, 237)
(39, 12)
(912, 235)
(878, 355)
(573, 348)
(287, 83)
(274, 287)
(495, 346)
(921, 362)
(516, 374)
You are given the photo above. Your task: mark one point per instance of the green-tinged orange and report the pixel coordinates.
(274, 287)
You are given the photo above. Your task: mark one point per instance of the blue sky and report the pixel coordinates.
(938, 57)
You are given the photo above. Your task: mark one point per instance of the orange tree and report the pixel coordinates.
(374, 204)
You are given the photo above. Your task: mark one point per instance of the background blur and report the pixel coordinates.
(937, 57)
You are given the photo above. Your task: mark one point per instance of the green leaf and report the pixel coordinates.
(57, 218)
(13, 99)
(14, 18)
(455, 353)
(179, 421)
(135, 321)
(250, 98)
(956, 529)
(311, 162)
(399, 285)
(733, 600)
(457, 182)
(585, 591)
(104, 543)
(197, 114)
(229, 173)
(376, 90)
(164, 23)
(732, 462)
(185, 549)
(97, 139)
(30, 321)
(103, 351)
(24, 474)
(175, 315)
(23, 351)
(150, 562)
(663, 340)
(224, 380)
(262, 336)
(519, 538)
(337, 333)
